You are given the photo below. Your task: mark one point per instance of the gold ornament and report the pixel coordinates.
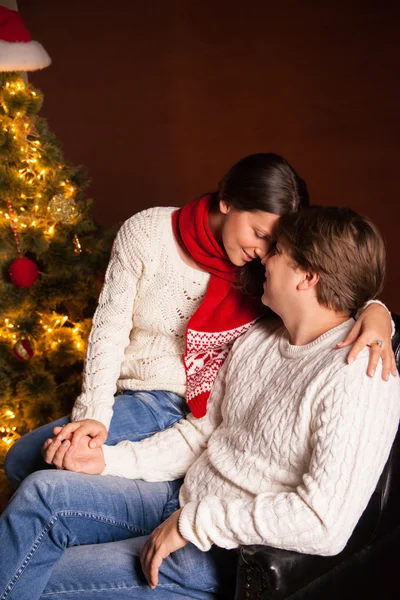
(63, 210)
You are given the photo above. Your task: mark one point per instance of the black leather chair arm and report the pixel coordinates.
(279, 573)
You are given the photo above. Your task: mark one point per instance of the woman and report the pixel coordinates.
(168, 292)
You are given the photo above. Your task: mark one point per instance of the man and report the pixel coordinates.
(288, 455)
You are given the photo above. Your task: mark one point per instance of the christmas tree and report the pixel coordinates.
(52, 256)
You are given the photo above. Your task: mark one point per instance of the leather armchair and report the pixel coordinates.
(367, 567)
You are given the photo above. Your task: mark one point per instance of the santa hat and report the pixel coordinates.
(18, 52)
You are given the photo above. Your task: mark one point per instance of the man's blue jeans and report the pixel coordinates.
(66, 536)
(137, 415)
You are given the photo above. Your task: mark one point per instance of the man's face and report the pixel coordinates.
(281, 278)
(247, 235)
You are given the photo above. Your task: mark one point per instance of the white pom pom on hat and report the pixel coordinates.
(18, 52)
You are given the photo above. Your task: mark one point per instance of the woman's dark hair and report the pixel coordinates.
(264, 182)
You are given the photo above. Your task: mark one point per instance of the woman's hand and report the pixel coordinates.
(79, 429)
(374, 324)
(80, 459)
(164, 540)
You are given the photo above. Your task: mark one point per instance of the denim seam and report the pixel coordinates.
(109, 589)
(45, 531)
(102, 519)
(28, 557)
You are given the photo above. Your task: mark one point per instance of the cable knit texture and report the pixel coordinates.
(138, 333)
(137, 339)
(289, 453)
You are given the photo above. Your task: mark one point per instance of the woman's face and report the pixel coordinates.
(247, 235)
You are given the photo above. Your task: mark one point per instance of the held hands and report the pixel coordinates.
(164, 540)
(78, 429)
(374, 324)
(79, 458)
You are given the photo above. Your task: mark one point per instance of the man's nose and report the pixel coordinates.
(267, 256)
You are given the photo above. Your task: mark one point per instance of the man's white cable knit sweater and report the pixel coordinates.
(289, 453)
(138, 333)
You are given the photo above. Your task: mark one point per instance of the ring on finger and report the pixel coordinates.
(376, 343)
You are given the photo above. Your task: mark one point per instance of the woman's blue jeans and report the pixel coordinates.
(69, 536)
(137, 415)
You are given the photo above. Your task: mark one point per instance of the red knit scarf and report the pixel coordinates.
(225, 312)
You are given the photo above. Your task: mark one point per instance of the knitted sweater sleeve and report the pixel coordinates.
(368, 303)
(167, 455)
(351, 433)
(111, 324)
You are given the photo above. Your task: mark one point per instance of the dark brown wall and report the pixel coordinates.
(158, 98)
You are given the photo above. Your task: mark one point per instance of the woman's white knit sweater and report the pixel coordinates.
(138, 332)
(289, 453)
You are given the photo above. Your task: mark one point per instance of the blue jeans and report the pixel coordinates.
(137, 415)
(67, 535)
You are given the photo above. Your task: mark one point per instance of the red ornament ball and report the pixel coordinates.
(23, 272)
(23, 349)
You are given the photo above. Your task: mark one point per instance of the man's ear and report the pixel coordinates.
(308, 281)
(224, 207)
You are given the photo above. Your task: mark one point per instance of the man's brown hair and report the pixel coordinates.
(344, 248)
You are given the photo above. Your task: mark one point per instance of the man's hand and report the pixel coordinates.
(79, 429)
(80, 459)
(163, 541)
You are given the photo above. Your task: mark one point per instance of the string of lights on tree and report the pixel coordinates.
(52, 254)
(46, 220)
